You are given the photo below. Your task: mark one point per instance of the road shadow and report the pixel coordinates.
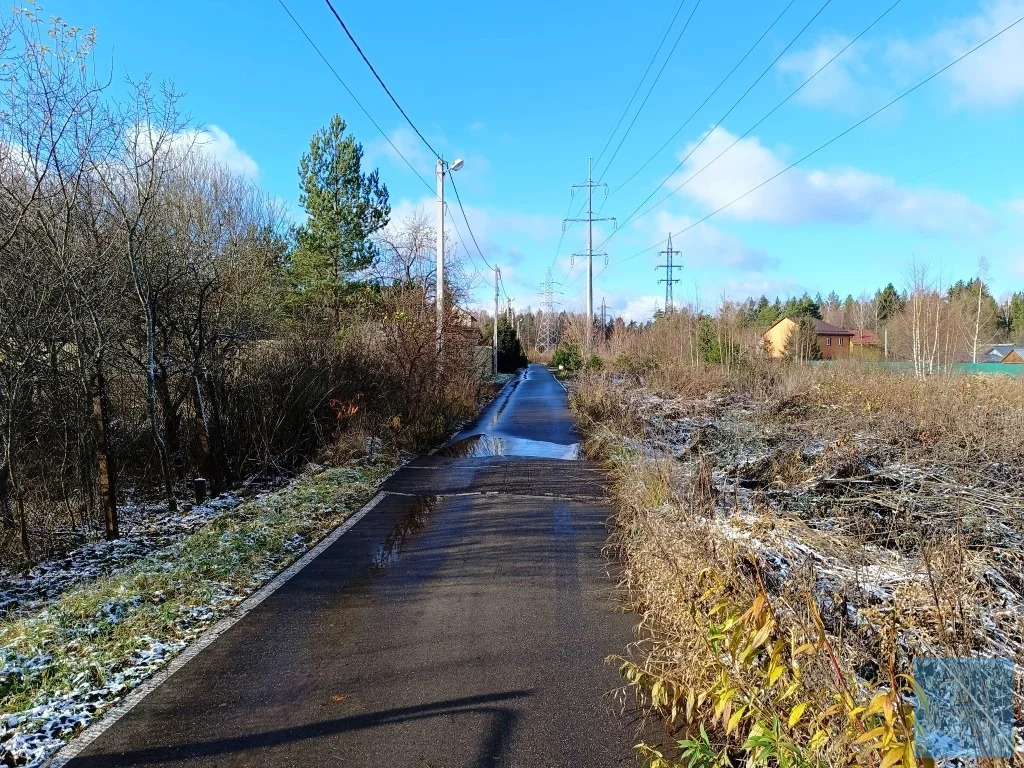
(494, 747)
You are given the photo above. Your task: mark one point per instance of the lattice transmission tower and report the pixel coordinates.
(547, 333)
(670, 268)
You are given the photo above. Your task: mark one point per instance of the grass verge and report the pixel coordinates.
(62, 667)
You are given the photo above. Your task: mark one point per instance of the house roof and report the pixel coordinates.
(827, 329)
(820, 327)
(865, 338)
(999, 352)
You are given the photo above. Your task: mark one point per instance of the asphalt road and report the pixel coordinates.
(464, 621)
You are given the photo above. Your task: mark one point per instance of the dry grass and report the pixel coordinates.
(873, 517)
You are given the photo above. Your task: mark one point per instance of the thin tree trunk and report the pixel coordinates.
(6, 511)
(26, 544)
(172, 423)
(977, 321)
(154, 420)
(207, 464)
(106, 469)
(161, 445)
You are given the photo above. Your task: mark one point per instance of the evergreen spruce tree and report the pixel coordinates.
(344, 207)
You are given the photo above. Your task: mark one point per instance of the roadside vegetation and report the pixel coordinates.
(794, 535)
(64, 664)
(163, 320)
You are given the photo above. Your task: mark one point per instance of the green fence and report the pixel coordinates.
(1002, 369)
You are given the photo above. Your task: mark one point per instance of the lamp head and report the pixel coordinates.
(456, 165)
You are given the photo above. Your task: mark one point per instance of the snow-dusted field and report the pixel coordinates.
(77, 634)
(850, 509)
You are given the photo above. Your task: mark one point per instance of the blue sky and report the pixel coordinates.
(526, 92)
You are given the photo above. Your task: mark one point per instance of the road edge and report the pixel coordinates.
(96, 729)
(483, 408)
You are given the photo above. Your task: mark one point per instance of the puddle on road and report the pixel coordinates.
(483, 445)
(387, 554)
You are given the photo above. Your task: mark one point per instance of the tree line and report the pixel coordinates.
(162, 318)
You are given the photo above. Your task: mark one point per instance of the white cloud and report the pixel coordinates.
(704, 246)
(477, 125)
(871, 72)
(1016, 207)
(403, 141)
(505, 238)
(215, 143)
(760, 286)
(844, 195)
(993, 76)
(837, 86)
(640, 309)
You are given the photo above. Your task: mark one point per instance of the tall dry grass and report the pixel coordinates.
(793, 536)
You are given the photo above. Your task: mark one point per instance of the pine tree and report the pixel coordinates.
(344, 208)
(510, 351)
(1016, 318)
(889, 302)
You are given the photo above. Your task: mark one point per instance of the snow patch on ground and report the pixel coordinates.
(145, 529)
(805, 504)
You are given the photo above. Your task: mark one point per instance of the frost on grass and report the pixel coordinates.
(77, 637)
(145, 529)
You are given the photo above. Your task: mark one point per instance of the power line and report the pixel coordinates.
(708, 98)
(469, 227)
(466, 219)
(771, 112)
(504, 288)
(379, 80)
(349, 91)
(622, 115)
(458, 236)
(727, 113)
(640, 82)
(651, 89)
(838, 136)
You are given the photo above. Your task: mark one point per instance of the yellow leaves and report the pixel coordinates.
(656, 693)
(750, 685)
(757, 641)
(723, 702)
(796, 713)
(756, 609)
(805, 648)
(874, 733)
(818, 740)
(734, 721)
(790, 690)
(892, 757)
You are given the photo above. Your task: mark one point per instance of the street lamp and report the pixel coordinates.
(442, 169)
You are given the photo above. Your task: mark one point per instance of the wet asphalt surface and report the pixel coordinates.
(464, 621)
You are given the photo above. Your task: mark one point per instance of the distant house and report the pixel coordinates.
(864, 338)
(833, 341)
(1004, 353)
